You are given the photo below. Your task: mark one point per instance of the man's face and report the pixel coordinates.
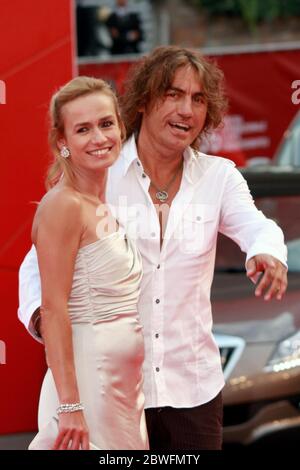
(176, 120)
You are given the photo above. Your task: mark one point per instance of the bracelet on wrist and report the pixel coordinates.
(69, 408)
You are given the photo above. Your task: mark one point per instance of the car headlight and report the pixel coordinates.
(286, 355)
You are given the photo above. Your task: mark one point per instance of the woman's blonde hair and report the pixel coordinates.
(79, 86)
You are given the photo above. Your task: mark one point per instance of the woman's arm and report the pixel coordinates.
(58, 227)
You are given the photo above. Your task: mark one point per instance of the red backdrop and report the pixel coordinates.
(259, 87)
(35, 58)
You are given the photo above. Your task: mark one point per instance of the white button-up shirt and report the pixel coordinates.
(182, 363)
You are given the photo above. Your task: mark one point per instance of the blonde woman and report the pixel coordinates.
(90, 279)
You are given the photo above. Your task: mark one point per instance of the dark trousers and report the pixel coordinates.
(198, 428)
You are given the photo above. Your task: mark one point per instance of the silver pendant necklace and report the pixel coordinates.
(162, 194)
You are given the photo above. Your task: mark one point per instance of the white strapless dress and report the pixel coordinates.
(108, 348)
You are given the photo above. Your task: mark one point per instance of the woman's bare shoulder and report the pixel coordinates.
(60, 200)
(60, 207)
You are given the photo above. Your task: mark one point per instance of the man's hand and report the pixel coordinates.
(36, 322)
(274, 278)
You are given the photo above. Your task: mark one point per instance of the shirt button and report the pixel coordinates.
(138, 163)
(198, 217)
(152, 234)
(157, 301)
(143, 175)
(158, 266)
(157, 369)
(156, 335)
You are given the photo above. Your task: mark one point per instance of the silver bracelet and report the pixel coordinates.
(69, 408)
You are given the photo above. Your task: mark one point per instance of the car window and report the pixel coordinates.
(294, 255)
(288, 153)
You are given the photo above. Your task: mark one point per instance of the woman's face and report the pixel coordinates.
(92, 132)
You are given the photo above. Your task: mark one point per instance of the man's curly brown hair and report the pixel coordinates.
(152, 76)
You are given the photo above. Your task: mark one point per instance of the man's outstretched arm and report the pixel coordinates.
(260, 238)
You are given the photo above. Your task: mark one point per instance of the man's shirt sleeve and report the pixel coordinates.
(29, 291)
(245, 224)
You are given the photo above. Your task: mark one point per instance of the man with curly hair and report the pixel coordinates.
(174, 200)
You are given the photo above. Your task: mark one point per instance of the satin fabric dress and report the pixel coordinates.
(108, 348)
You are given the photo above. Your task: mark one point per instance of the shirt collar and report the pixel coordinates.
(191, 162)
(130, 155)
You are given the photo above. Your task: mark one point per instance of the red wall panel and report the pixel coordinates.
(259, 86)
(36, 57)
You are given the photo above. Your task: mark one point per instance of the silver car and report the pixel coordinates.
(260, 341)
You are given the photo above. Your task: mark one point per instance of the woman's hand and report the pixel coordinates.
(73, 432)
